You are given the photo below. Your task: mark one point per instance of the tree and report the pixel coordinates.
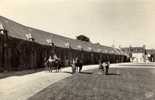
(83, 38)
(97, 43)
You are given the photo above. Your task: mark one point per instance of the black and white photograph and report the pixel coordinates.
(77, 49)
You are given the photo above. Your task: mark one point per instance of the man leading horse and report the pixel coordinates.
(54, 63)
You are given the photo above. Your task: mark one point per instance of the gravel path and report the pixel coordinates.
(24, 86)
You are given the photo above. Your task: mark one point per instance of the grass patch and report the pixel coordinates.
(121, 84)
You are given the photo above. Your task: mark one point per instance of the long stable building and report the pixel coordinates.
(23, 47)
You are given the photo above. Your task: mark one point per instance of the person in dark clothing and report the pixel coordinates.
(101, 68)
(77, 63)
(107, 67)
(80, 65)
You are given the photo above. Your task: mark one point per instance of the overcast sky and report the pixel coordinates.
(122, 22)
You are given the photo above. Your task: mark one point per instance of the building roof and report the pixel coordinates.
(19, 31)
(150, 51)
(134, 49)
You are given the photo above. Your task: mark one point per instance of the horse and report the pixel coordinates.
(49, 65)
(54, 65)
(58, 65)
(104, 67)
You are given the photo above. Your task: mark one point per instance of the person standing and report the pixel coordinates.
(101, 68)
(73, 66)
(80, 65)
(77, 63)
(50, 63)
(107, 67)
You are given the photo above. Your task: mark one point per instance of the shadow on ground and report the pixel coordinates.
(113, 74)
(83, 72)
(137, 65)
(19, 73)
(86, 72)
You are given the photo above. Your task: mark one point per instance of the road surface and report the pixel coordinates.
(131, 80)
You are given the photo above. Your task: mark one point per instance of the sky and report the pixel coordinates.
(119, 22)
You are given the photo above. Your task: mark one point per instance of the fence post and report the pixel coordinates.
(4, 38)
(1, 53)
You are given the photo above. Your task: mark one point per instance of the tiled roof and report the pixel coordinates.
(19, 31)
(150, 51)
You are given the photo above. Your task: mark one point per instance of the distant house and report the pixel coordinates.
(137, 54)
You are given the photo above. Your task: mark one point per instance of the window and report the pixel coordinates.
(89, 48)
(49, 41)
(79, 47)
(1, 29)
(105, 51)
(67, 44)
(29, 37)
(98, 50)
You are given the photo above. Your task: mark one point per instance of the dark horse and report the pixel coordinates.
(54, 65)
(79, 65)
